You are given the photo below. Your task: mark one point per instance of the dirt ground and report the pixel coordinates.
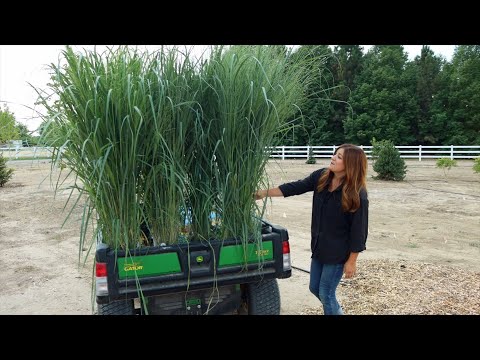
(429, 224)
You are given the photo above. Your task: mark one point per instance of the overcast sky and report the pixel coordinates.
(23, 64)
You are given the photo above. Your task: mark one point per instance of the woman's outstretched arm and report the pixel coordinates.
(273, 192)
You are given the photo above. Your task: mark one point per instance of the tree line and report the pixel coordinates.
(380, 94)
(10, 129)
(357, 97)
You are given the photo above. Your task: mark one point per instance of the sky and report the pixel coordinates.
(21, 65)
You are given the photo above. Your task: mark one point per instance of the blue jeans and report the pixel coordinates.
(324, 279)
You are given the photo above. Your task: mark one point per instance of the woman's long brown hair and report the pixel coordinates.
(355, 162)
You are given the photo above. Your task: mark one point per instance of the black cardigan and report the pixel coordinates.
(335, 233)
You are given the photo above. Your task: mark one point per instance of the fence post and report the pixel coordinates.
(419, 152)
(283, 152)
(34, 152)
(334, 147)
(308, 150)
(17, 151)
(451, 152)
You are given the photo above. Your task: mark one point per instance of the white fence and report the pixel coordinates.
(33, 152)
(296, 152)
(409, 152)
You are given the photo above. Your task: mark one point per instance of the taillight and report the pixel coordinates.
(286, 256)
(100, 269)
(285, 247)
(101, 279)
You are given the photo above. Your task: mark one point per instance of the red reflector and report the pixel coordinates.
(101, 269)
(285, 247)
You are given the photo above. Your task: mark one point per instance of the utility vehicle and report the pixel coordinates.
(215, 277)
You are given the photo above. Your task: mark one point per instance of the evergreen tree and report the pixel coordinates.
(427, 68)
(346, 68)
(439, 128)
(465, 96)
(387, 162)
(313, 127)
(5, 173)
(383, 103)
(311, 157)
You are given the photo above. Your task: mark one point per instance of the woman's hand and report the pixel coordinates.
(273, 192)
(260, 194)
(349, 269)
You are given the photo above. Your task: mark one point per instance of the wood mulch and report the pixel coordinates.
(386, 287)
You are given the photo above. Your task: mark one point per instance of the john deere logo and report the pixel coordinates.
(199, 259)
(133, 267)
(262, 252)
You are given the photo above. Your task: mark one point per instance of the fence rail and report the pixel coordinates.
(32, 152)
(297, 152)
(408, 152)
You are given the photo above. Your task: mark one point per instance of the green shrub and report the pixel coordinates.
(387, 162)
(476, 165)
(446, 163)
(5, 173)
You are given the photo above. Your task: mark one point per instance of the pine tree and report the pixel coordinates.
(427, 67)
(346, 68)
(387, 162)
(311, 157)
(314, 124)
(5, 173)
(384, 103)
(464, 96)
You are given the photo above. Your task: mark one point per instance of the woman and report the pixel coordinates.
(339, 220)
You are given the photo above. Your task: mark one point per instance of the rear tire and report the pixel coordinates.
(122, 307)
(263, 298)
